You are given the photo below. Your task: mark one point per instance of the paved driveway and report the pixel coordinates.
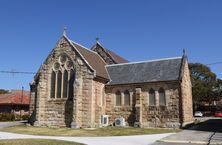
(208, 132)
(11, 123)
(120, 140)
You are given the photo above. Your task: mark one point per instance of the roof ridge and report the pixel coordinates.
(89, 50)
(99, 71)
(83, 46)
(97, 42)
(154, 60)
(107, 51)
(84, 59)
(110, 53)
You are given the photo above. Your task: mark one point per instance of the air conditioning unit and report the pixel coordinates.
(104, 120)
(120, 121)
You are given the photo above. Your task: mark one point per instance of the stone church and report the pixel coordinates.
(77, 87)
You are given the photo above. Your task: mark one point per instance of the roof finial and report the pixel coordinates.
(184, 51)
(64, 31)
(97, 39)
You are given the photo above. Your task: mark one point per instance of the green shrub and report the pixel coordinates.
(12, 117)
(7, 117)
(25, 117)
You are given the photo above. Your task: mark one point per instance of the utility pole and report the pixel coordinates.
(21, 104)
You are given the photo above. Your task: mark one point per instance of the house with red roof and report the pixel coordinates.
(15, 101)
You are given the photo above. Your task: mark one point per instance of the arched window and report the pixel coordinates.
(71, 82)
(59, 84)
(152, 97)
(118, 98)
(62, 77)
(162, 97)
(126, 98)
(65, 83)
(53, 78)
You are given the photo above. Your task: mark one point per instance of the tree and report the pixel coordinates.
(218, 90)
(205, 85)
(2, 91)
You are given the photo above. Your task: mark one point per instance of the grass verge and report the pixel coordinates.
(37, 142)
(108, 131)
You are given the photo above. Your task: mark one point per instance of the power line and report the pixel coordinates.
(219, 62)
(20, 72)
(16, 72)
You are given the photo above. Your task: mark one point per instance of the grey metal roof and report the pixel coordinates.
(149, 71)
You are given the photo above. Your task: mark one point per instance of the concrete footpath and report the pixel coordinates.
(118, 140)
(189, 136)
(11, 123)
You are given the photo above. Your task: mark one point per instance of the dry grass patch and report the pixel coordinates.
(108, 131)
(37, 142)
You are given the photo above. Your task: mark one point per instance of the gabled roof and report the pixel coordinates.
(15, 97)
(168, 69)
(94, 60)
(115, 57)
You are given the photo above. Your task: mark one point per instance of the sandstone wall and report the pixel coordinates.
(63, 111)
(99, 101)
(186, 92)
(150, 116)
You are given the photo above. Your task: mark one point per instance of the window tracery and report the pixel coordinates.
(62, 78)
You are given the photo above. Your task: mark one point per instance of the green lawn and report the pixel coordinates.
(37, 142)
(108, 131)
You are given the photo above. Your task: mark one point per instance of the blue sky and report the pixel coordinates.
(135, 29)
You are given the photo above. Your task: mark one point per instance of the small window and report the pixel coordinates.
(126, 98)
(118, 98)
(152, 97)
(162, 97)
